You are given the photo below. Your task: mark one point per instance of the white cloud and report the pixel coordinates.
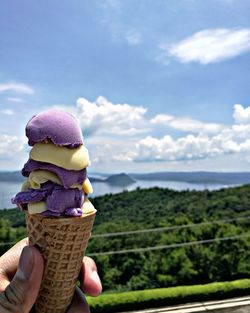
(16, 88)
(240, 131)
(210, 45)
(186, 124)
(167, 149)
(11, 146)
(210, 141)
(104, 117)
(241, 115)
(7, 112)
(102, 149)
(116, 133)
(189, 147)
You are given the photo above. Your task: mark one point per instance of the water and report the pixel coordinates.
(8, 189)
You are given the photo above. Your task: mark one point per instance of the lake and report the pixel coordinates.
(8, 189)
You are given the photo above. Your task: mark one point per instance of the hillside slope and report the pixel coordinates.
(183, 237)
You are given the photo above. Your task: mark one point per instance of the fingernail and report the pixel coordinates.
(26, 262)
(95, 277)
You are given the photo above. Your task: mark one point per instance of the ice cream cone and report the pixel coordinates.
(52, 196)
(62, 243)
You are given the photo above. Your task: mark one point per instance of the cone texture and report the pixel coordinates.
(62, 243)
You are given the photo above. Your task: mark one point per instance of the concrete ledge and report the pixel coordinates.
(234, 305)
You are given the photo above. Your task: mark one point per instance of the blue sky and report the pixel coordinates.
(156, 85)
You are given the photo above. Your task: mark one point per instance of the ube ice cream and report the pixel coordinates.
(59, 216)
(54, 125)
(57, 183)
(67, 177)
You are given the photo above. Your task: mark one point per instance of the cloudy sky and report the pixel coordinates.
(156, 85)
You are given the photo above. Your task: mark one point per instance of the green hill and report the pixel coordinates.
(218, 220)
(120, 179)
(159, 208)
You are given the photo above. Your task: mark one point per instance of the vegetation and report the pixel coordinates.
(218, 214)
(143, 299)
(9, 234)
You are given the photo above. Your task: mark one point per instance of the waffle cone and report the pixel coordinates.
(62, 243)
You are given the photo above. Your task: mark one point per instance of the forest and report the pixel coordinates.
(155, 238)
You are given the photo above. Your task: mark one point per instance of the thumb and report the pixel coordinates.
(21, 293)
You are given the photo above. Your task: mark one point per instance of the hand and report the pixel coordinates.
(21, 270)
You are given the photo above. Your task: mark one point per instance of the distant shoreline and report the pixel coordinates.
(228, 178)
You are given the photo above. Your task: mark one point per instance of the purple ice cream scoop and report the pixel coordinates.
(59, 201)
(56, 125)
(67, 177)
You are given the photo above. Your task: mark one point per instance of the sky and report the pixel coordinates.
(155, 85)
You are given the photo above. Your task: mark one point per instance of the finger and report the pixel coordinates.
(9, 263)
(90, 282)
(79, 303)
(22, 291)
